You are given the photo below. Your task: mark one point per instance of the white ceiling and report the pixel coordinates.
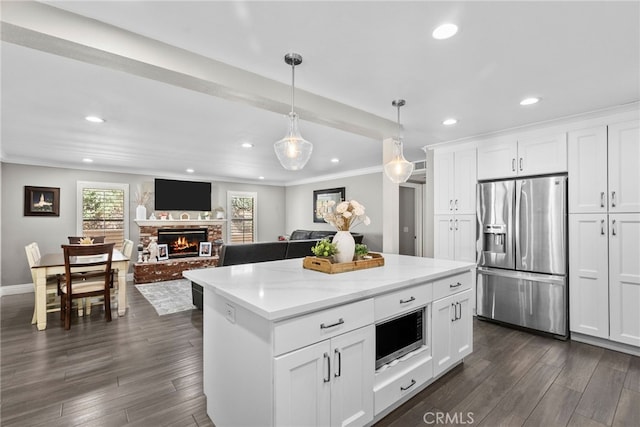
(358, 56)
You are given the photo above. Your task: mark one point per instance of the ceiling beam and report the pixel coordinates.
(49, 29)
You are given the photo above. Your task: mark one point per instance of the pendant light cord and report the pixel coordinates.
(293, 82)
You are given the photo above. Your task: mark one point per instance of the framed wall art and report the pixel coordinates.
(321, 199)
(205, 248)
(163, 252)
(41, 201)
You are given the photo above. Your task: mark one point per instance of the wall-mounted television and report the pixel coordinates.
(173, 195)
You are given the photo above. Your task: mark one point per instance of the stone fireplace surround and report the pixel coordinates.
(172, 269)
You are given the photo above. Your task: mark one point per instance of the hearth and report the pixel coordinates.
(182, 242)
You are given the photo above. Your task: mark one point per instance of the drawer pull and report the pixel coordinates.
(328, 377)
(520, 164)
(613, 199)
(413, 382)
(602, 227)
(337, 353)
(407, 301)
(613, 227)
(602, 199)
(339, 322)
(513, 165)
(457, 285)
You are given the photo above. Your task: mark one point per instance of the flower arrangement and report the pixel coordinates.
(142, 197)
(324, 248)
(346, 215)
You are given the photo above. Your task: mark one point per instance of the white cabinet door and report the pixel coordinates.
(443, 237)
(442, 337)
(588, 274)
(541, 155)
(303, 386)
(452, 330)
(624, 278)
(624, 169)
(353, 368)
(443, 175)
(464, 232)
(462, 327)
(465, 180)
(497, 159)
(588, 170)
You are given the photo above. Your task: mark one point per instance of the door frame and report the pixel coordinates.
(419, 197)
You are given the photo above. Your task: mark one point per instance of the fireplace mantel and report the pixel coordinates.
(178, 222)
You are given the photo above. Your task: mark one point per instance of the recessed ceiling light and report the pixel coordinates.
(261, 177)
(530, 101)
(189, 170)
(449, 122)
(94, 119)
(445, 31)
(247, 145)
(87, 160)
(335, 160)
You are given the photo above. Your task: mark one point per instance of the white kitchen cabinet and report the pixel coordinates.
(526, 156)
(589, 274)
(624, 278)
(452, 330)
(328, 383)
(603, 169)
(455, 237)
(604, 276)
(455, 182)
(624, 167)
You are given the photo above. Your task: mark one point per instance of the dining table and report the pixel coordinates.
(51, 264)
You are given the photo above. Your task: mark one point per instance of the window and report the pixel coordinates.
(103, 210)
(242, 208)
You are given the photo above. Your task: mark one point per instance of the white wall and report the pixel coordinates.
(366, 189)
(18, 230)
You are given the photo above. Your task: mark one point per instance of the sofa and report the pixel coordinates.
(298, 246)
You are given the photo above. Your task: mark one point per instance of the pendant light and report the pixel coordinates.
(398, 169)
(293, 150)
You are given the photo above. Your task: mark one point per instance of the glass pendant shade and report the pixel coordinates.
(293, 151)
(398, 169)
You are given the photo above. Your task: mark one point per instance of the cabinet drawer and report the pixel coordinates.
(401, 301)
(301, 331)
(390, 392)
(452, 285)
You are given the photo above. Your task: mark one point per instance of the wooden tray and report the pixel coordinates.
(325, 266)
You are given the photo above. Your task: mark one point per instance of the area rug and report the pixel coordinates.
(171, 296)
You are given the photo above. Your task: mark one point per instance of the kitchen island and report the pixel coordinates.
(283, 345)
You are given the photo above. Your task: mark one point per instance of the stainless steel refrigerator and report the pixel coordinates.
(522, 253)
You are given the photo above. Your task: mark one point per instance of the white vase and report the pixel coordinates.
(141, 212)
(346, 246)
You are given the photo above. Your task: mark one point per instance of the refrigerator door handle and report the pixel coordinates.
(513, 274)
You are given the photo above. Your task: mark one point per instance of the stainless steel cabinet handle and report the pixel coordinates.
(602, 227)
(411, 384)
(613, 228)
(450, 224)
(328, 377)
(459, 316)
(453, 309)
(520, 164)
(337, 353)
(613, 199)
(456, 224)
(513, 165)
(457, 285)
(455, 204)
(339, 322)
(407, 301)
(602, 199)
(450, 204)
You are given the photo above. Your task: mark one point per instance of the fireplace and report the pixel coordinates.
(182, 242)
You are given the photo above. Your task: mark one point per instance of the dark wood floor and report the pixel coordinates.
(146, 370)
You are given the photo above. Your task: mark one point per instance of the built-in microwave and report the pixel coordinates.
(399, 336)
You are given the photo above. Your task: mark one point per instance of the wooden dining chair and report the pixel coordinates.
(78, 260)
(75, 240)
(53, 303)
(127, 251)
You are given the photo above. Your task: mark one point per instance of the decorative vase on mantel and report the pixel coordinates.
(346, 246)
(141, 212)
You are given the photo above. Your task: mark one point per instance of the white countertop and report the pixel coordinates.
(280, 289)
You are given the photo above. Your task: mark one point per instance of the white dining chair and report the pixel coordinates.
(53, 302)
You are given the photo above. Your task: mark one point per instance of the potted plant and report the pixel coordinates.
(361, 251)
(324, 249)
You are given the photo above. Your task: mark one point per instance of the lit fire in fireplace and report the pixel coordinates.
(181, 244)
